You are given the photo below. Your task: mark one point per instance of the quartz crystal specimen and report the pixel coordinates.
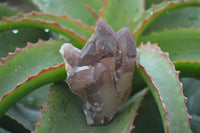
(101, 73)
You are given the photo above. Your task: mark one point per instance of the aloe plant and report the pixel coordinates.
(165, 87)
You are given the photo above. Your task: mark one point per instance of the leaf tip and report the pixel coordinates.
(101, 11)
(64, 16)
(17, 49)
(178, 73)
(185, 98)
(28, 44)
(40, 41)
(11, 54)
(92, 11)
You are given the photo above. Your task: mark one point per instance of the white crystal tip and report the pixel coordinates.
(63, 47)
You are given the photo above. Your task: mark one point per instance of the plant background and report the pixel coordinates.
(28, 108)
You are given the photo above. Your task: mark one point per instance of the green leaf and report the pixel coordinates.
(64, 21)
(195, 123)
(75, 9)
(151, 3)
(11, 39)
(76, 31)
(28, 108)
(20, 38)
(191, 89)
(6, 11)
(183, 47)
(36, 98)
(150, 15)
(12, 125)
(23, 5)
(24, 115)
(63, 113)
(119, 13)
(163, 81)
(185, 17)
(148, 118)
(138, 82)
(182, 44)
(188, 69)
(29, 68)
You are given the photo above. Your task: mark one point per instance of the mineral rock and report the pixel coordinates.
(101, 73)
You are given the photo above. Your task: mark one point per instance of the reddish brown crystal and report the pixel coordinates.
(101, 73)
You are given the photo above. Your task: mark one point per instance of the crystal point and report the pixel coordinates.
(101, 73)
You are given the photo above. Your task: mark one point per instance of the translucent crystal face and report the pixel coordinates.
(101, 73)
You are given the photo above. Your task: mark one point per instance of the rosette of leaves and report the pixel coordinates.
(166, 32)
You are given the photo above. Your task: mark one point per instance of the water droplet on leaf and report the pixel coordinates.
(46, 30)
(15, 31)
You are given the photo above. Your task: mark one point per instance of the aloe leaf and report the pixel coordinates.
(151, 3)
(63, 20)
(28, 108)
(24, 115)
(188, 69)
(11, 39)
(45, 76)
(7, 11)
(75, 9)
(138, 83)
(12, 125)
(182, 44)
(15, 69)
(74, 30)
(150, 15)
(191, 90)
(36, 98)
(185, 17)
(148, 118)
(24, 6)
(63, 113)
(183, 47)
(119, 13)
(17, 37)
(163, 81)
(195, 123)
